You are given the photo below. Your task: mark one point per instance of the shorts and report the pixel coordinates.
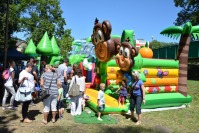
(121, 99)
(101, 108)
(59, 104)
(50, 103)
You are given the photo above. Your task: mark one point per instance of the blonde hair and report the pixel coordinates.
(48, 67)
(102, 84)
(59, 84)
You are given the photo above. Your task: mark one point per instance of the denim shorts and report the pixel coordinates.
(59, 104)
(101, 108)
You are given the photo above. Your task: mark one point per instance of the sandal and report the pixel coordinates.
(45, 122)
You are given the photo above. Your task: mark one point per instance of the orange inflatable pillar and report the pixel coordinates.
(82, 68)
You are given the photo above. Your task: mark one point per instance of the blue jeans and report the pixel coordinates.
(65, 88)
(136, 101)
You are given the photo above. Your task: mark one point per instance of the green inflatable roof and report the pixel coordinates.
(128, 34)
(31, 49)
(56, 50)
(44, 47)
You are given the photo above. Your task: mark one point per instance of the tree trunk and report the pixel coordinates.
(183, 51)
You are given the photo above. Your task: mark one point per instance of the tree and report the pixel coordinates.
(40, 16)
(65, 42)
(14, 13)
(155, 44)
(185, 34)
(189, 12)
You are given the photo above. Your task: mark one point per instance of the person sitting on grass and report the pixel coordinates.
(60, 99)
(123, 94)
(101, 101)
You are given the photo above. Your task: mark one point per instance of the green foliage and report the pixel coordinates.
(35, 17)
(189, 12)
(13, 19)
(156, 44)
(65, 42)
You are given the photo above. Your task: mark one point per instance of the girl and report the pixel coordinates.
(123, 94)
(9, 88)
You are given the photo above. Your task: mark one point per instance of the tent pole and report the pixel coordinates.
(6, 37)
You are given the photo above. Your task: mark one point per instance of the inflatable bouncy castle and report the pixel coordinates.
(117, 58)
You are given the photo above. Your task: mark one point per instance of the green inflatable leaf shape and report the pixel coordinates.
(44, 47)
(56, 50)
(31, 49)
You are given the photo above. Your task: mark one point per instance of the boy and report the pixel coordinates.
(60, 99)
(101, 100)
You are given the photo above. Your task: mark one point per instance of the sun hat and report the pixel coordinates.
(136, 74)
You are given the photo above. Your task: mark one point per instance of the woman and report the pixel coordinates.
(49, 81)
(76, 106)
(9, 87)
(137, 96)
(26, 79)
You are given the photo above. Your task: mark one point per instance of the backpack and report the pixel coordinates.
(6, 74)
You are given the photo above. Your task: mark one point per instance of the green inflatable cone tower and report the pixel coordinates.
(44, 47)
(56, 50)
(31, 49)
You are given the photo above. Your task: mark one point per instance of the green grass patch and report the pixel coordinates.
(91, 118)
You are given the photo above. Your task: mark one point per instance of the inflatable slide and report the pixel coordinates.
(111, 103)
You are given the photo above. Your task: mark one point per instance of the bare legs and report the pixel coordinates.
(138, 120)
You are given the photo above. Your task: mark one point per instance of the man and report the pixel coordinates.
(62, 75)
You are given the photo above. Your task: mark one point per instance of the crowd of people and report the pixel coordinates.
(59, 79)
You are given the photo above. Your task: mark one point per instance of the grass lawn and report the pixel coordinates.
(176, 121)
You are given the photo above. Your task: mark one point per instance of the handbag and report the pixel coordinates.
(45, 93)
(75, 89)
(23, 93)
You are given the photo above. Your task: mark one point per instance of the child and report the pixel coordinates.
(60, 99)
(123, 93)
(101, 101)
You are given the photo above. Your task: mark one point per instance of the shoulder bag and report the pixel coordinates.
(133, 88)
(74, 90)
(44, 93)
(23, 93)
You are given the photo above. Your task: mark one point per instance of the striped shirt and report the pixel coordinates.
(47, 77)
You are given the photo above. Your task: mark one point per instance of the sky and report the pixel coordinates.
(146, 17)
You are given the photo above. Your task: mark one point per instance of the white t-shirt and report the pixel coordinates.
(101, 97)
(80, 81)
(9, 82)
(28, 83)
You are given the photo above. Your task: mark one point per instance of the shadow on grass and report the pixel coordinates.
(193, 73)
(5, 118)
(107, 129)
(33, 113)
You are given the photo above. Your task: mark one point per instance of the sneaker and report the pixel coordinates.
(12, 108)
(3, 108)
(99, 119)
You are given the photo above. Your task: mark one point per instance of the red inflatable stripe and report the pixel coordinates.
(161, 89)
